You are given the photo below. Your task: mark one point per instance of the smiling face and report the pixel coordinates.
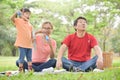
(47, 28)
(26, 15)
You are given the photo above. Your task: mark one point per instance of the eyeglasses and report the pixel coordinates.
(47, 28)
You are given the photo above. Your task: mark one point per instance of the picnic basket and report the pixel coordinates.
(107, 59)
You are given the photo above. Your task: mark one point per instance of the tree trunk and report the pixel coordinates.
(13, 52)
(0, 51)
(68, 29)
(104, 45)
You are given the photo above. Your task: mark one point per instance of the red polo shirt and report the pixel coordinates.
(79, 49)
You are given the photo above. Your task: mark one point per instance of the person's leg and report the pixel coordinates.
(66, 64)
(21, 58)
(90, 64)
(25, 65)
(75, 66)
(29, 58)
(48, 64)
(76, 63)
(35, 66)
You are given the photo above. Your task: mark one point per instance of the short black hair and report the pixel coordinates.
(75, 22)
(25, 10)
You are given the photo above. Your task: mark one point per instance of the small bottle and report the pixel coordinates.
(46, 37)
(19, 14)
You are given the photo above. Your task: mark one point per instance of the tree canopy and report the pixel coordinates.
(102, 16)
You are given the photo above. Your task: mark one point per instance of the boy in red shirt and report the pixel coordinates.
(79, 45)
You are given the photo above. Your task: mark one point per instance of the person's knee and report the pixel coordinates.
(21, 61)
(95, 57)
(53, 62)
(63, 58)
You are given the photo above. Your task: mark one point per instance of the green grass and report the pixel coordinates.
(8, 63)
(116, 62)
(106, 75)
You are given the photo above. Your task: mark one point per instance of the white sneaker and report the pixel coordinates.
(98, 70)
(48, 70)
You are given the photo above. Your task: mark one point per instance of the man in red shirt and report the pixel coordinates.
(79, 45)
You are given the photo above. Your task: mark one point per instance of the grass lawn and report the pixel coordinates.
(8, 63)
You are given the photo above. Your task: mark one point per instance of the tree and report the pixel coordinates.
(62, 13)
(7, 34)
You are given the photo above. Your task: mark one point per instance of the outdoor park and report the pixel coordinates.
(103, 18)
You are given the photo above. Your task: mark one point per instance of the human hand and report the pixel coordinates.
(40, 31)
(99, 63)
(47, 38)
(58, 64)
(19, 13)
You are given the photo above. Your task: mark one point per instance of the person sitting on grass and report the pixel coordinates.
(44, 52)
(79, 45)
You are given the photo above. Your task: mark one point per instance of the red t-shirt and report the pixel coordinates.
(79, 49)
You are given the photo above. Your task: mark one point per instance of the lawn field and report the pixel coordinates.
(8, 63)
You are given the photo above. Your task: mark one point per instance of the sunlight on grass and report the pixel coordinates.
(8, 63)
(108, 74)
(116, 62)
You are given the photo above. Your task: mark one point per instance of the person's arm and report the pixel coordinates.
(51, 47)
(35, 33)
(60, 54)
(18, 13)
(13, 17)
(52, 55)
(40, 31)
(98, 52)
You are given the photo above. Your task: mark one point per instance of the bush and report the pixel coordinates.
(6, 51)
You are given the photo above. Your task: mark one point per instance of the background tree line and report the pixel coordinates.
(103, 20)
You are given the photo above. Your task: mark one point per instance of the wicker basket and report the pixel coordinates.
(107, 59)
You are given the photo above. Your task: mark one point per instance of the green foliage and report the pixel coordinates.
(115, 40)
(7, 35)
(61, 13)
